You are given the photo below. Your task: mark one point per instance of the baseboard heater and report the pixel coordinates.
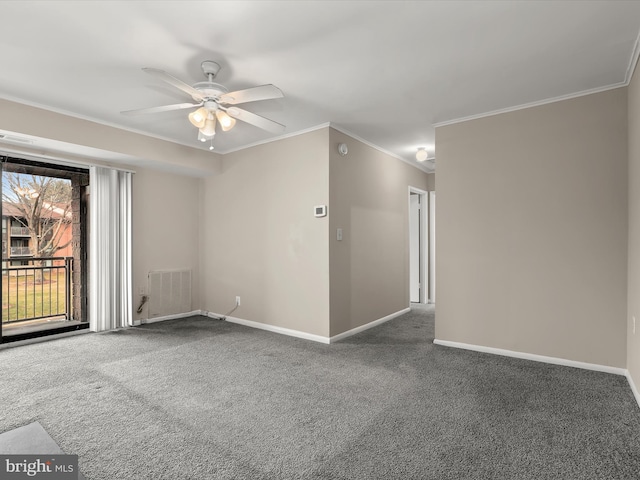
(169, 292)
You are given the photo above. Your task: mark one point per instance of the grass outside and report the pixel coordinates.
(23, 297)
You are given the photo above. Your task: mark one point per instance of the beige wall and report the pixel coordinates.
(165, 236)
(369, 200)
(633, 301)
(165, 205)
(532, 230)
(260, 239)
(248, 228)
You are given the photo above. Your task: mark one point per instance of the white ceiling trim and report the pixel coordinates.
(532, 104)
(586, 44)
(386, 152)
(274, 139)
(319, 127)
(220, 152)
(633, 61)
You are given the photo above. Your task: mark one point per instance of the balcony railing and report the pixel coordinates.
(41, 289)
(20, 232)
(20, 251)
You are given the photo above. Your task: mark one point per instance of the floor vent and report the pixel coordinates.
(169, 292)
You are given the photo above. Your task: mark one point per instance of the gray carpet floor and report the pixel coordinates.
(204, 399)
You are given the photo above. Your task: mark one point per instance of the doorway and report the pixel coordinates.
(418, 252)
(432, 247)
(422, 246)
(44, 254)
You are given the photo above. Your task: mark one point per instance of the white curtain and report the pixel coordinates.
(110, 289)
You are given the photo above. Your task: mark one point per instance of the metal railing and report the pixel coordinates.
(22, 231)
(20, 251)
(40, 289)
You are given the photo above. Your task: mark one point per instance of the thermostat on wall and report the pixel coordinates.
(320, 210)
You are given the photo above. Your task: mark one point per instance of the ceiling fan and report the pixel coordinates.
(215, 102)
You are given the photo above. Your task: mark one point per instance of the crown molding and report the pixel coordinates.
(633, 61)
(335, 127)
(531, 105)
(274, 139)
(217, 152)
(382, 150)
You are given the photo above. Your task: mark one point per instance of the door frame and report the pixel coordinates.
(423, 241)
(432, 247)
(78, 280)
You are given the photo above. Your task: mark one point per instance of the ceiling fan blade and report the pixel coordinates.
(164, 108)
(255, 120)
(171, 80)
(263, 92)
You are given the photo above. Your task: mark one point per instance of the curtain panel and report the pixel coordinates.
(110, 281)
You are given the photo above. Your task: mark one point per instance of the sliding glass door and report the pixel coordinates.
(44, 254)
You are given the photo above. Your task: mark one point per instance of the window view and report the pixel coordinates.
(40, 269)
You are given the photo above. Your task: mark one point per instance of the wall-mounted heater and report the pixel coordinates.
(169, 292)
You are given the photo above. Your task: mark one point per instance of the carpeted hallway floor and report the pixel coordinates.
(203, 399)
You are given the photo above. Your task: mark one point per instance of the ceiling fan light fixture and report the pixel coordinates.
(209, 127)
(198, 117)
(226, 122)
(422, 154)
(214, 103)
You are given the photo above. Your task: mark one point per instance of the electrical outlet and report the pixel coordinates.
(142, 291)
(238, 301)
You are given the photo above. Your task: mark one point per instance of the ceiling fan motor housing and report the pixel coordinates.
(210, 90)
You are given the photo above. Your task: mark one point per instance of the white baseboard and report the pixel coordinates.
(271, 328)
(171, 317)
(367, 326)
(634, 389)
(304, 335)
(534, 357)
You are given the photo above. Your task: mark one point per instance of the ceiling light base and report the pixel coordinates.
(422, 154)
(210, 68)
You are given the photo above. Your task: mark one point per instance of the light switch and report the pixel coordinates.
(339, 234)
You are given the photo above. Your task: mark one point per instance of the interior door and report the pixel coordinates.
(415, 261)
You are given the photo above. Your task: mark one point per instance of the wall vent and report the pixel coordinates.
(169, 292)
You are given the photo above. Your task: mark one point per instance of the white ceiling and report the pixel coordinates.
(383, 71)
